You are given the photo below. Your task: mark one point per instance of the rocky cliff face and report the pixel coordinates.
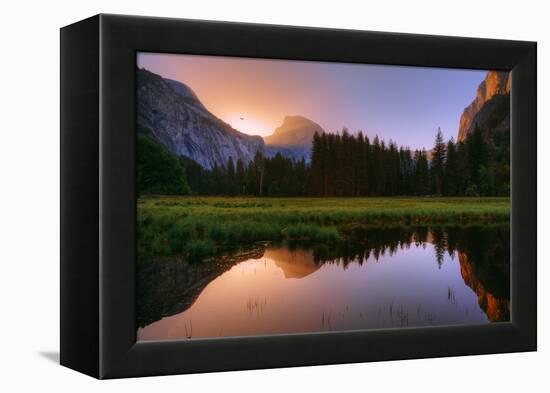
(172, 114)
(293, 138)
(497, 309)
(490, 109)
(295, 131)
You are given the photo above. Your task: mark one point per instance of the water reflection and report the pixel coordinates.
(383, 278)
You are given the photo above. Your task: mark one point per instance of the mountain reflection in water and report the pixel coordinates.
(384, 278)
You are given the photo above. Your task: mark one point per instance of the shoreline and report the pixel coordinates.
(203, 227)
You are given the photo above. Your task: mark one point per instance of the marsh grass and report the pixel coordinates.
(311, 232)
(201, 227)
(198, 249)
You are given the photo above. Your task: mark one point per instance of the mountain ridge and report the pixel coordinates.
(490, 108)
(295, 130)
(293, 138)
(172, 114)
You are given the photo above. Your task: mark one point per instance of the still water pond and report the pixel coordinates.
(391, 280)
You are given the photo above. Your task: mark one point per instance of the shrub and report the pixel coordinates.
(158, 171)
(471, 191)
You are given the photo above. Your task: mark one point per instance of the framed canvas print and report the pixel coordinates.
(238, 196)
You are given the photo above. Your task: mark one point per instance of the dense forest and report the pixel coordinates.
(341, 165)
(347, 165)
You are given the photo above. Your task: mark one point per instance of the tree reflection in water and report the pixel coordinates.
(170, 286)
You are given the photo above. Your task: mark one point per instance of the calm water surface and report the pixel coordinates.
(407, 280)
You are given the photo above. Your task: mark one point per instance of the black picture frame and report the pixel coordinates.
(98, 197)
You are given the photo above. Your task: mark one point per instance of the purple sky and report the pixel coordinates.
(405, 104)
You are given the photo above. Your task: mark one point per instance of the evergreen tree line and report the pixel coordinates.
(275, 176)
(348, 165)
(341, 165)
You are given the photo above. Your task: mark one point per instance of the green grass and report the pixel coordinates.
(312, 232)
(199, 249)
(200, 227)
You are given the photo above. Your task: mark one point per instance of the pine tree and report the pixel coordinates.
(421, 173)
(259, 170)
(318, 154)
(438, 163)
(332, 167)
(406, 169)
(240, 177)
(452, 174)
(230, 177)
(463, 178)
(252, 184)
(368, 167)
(346, 173)
(376, 168)
(477, 155)
(360, 161)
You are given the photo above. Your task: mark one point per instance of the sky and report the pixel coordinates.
(399, 103)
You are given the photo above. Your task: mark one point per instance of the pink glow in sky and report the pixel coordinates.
(404, 104)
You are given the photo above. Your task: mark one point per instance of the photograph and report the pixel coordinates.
(291, 196)
(282, 196)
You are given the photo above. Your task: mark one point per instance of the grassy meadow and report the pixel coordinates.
(201, 227)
